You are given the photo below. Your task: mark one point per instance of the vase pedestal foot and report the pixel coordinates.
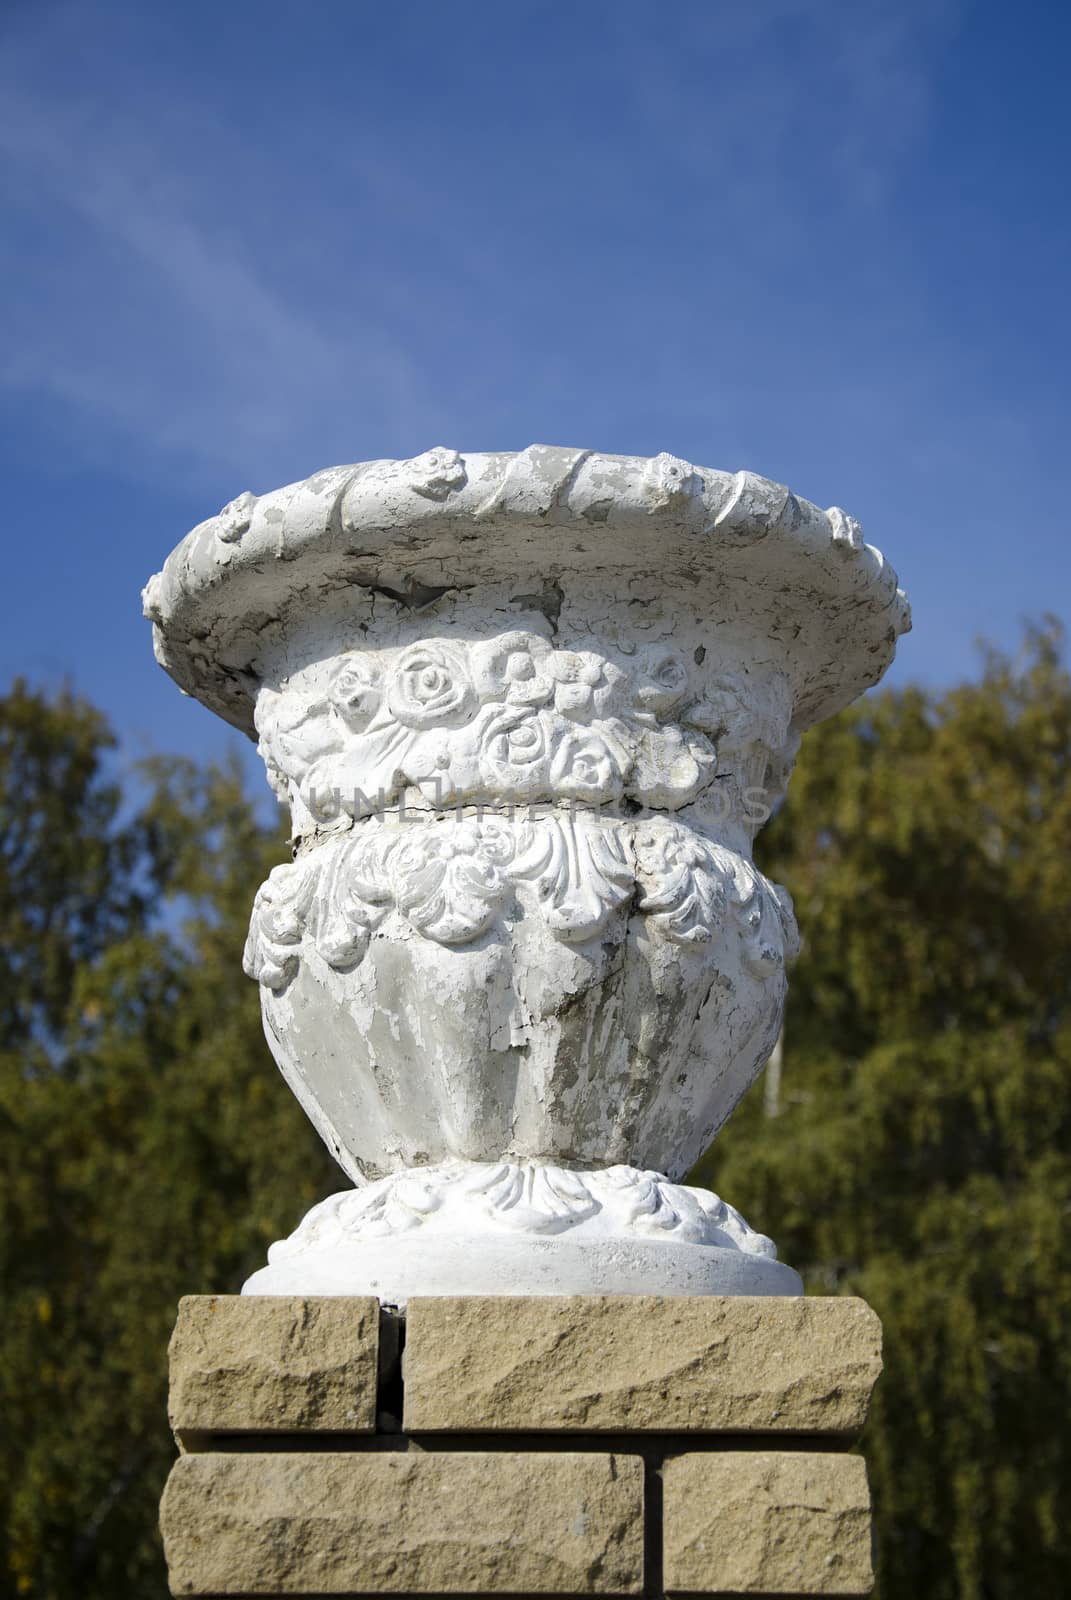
(509, 1228)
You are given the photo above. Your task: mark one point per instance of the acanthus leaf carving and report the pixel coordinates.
(691, 884)
(531, 1197)
(281, 909)
(581, 874)
(451, 881)
(684, 898)
(354, 897)
(525, 1197)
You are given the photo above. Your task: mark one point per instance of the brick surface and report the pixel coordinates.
(642, 1364)
(773, 1523)
(274, 1364)
(381, 1522)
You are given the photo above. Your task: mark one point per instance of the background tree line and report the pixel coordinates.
(916, 1152)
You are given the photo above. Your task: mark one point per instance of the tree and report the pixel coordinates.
(920, 1155)
(148, 1147)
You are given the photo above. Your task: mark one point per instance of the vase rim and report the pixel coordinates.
(748, 550)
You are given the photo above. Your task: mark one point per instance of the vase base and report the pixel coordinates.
(394, 1270)
(523, 1227)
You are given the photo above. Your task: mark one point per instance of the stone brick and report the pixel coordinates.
(790, 1523)
(381, 1522)
(640, 1364)
(274, 1364)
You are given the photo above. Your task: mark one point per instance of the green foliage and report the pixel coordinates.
(919, 1157)
(67, 873)
(149, 1149)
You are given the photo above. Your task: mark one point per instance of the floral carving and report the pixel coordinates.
(662, 680)
(354, 897)
(847, 533)
(356, 693)
(503, 720)
(667, 479)
(685, 899)
(235, 518)
(435, 473)
(280, 909)
(513, 753)
(152, 598)
(451, 880)
(582, 874)
(692, 885)
(429, 686)
(588, 765)
(525, 1197)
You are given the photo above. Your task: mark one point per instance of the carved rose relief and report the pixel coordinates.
(589, 766)
(435, 473)
(430, 687)
(667, 479)
(235, 518)
(512, 721)
(505, 720)
(512, 755)
(663, 681)
(356, 693)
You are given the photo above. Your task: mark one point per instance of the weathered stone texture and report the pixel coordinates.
(523, 965)
(404, 1523)
(640, 1363)
(766, 1523)
(274, 1364)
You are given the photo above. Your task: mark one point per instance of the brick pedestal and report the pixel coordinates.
(553, 1446)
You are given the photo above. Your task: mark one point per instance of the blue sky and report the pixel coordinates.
(824, 239)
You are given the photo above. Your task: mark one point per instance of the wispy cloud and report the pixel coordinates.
(220, 279)
(151, 312)
(780, 97)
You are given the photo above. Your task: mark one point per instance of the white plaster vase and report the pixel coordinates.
(528, 712)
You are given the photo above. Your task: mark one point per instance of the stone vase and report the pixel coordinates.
(528, 712)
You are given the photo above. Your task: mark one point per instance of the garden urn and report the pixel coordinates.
(528, 712)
